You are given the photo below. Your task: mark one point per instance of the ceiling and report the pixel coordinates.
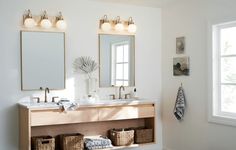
(147, 3)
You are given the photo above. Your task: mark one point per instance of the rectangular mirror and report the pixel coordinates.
(42, 60)
(117, 60)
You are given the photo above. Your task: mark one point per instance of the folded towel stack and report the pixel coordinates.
(98, 143)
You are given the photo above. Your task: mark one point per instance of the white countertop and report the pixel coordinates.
(88, 103)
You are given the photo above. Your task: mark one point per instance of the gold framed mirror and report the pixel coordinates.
(42, 60)
(116, 60)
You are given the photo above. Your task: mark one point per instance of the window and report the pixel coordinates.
(223, 105)
(120, 65)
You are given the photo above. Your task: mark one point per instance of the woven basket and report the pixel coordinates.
(121, 137)
(143, 135)
(43, 143)
(72, 141)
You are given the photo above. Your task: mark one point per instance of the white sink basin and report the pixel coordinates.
(117, 101)
(100, 102)
(40, 105)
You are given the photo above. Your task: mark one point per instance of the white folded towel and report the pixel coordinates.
(67, 105)
(180, 104)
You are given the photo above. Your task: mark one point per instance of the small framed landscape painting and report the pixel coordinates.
(180, 45)
(181, 66)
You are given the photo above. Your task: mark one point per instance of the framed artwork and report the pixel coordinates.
(181, 66)
(180, 45)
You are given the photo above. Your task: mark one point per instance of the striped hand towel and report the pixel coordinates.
(180, 104)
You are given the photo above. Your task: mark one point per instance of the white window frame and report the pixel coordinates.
(114, 64)
(214, 79)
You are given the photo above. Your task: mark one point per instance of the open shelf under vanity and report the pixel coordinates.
(87, 120)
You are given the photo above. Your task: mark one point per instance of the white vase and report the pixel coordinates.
(92, 86)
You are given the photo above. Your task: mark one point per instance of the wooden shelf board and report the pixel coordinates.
(127, 147)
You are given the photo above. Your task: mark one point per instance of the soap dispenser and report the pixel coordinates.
(135, 95)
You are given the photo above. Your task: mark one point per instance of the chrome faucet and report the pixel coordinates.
(121, 87)
(46, 91)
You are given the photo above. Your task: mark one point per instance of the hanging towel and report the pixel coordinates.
(180, 104)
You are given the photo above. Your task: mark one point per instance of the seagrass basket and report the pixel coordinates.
(121, 137)
(42, 143)
(143, 135)
(74, 141)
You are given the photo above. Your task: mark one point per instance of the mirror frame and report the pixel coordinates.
(99, 53)
(21, 59)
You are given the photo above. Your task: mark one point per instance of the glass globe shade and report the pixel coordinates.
(29, 23)
(119, 27)
(132, 28)
(45, 23)
(106, 26)
(61, 24)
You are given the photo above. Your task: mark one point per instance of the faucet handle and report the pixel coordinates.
(37, 98)
(53, 98)
(127, 95)
(113, 96)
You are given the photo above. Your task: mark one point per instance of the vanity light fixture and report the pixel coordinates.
(119, 26)
(106, 26)
(132, 28)
(60, 22)
(29, 22)
(45, 22)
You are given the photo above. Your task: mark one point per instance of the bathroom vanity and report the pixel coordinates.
(88, 119)
(117, 68)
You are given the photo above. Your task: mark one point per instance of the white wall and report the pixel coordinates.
(82, 17)
(190, 18)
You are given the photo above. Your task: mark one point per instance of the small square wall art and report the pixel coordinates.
(181, 66)
(180, 45)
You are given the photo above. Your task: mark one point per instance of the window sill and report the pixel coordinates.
(224, 120)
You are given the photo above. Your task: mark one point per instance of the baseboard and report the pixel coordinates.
(165, 148)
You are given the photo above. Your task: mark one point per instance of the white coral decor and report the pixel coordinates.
(85, 64)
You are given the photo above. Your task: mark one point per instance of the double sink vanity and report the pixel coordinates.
(46, 51)
(89, 119)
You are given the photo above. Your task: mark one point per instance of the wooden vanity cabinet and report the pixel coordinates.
(126, 112)
(54, 117)
(88, 120)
